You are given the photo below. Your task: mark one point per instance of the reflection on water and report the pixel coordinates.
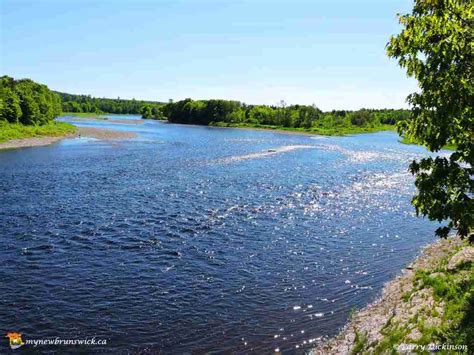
(197, 238)
(267, 153)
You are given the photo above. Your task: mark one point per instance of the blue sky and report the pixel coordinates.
(330, 53)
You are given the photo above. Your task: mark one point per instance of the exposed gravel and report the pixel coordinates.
(98, 133)
(104, 134)
(391, 307)
(30, 142)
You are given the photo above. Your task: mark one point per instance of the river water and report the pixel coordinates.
(201, 239)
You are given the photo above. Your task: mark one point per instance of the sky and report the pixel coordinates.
(330, 53)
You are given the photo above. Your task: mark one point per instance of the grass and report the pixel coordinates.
(456, 290)
(406, 140)
(9, 131)
(321, 130)
(360, 343)
(450, 321)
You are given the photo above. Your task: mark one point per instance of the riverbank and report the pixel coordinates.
(430, 304)
(16, 131)
(46, 139)
(104, 119)
(338, 130)
(406, 140)
(94, 117)
(325, 131)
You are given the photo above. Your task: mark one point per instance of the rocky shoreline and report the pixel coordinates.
(402, 319)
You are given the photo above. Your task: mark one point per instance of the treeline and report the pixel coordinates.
(88, 104)
(209, 112)
(27, 102)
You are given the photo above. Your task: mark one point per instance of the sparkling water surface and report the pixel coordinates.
(201, 239)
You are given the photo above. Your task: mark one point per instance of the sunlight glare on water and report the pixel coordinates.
(197, 238)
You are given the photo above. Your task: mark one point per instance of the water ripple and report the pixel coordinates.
(167, 244)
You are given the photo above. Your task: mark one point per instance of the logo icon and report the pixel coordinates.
(15, 340)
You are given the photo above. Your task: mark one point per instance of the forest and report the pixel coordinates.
(88, 104)
(235, 113)
(27, 102)
(28, 109)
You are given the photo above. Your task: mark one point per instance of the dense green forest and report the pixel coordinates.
(88, 104)
(26, 102)
(28, 109)
(234, 113)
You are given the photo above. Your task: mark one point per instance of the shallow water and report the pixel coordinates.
(173, 242)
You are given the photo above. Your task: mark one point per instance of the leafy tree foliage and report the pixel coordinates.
(436, 47)
(207, 112)
(146, 111)
(11, 110)
(362, 117)
(157, 113)
(392, 116)
(24, 101)
(86, 103)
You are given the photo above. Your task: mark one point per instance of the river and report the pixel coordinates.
(190, 238)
